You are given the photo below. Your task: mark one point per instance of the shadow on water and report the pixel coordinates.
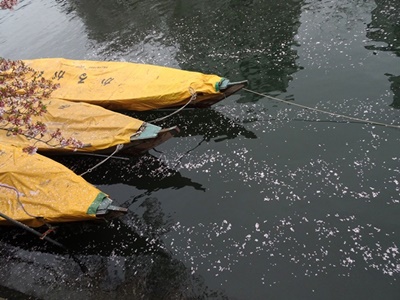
(385, 30)
(145, 172)
(208, 123)
(123, 259)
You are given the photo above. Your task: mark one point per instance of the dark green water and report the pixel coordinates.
(255, 199)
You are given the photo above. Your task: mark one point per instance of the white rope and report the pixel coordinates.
(323, 111)
(119, 147)
(194, 95)
(19, 201)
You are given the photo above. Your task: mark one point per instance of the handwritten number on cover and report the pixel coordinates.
(82, 78)
(107, 81)
(58, 75)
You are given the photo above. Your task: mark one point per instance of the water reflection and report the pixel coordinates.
(132, 262)
(385, 26)
(190, 35)
(385, 30)
(131, 30)
(250, 40)
(395, 87)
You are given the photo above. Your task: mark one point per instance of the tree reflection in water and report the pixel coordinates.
(385, 29)
(125, 259)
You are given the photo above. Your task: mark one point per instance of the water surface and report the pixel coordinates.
(255, 199)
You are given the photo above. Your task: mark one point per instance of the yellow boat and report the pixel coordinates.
(36, 190)
(100, 130)
(131, 86)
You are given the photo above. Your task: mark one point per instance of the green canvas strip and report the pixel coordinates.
(96, 203)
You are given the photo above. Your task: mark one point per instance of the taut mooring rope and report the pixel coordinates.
(324, 111)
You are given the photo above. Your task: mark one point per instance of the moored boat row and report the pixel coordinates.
(36, 190)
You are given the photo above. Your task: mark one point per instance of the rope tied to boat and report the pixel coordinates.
(18, 193)
(118, 148)
(324, 111)
(192, 98)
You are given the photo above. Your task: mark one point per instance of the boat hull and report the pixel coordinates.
(131, 86)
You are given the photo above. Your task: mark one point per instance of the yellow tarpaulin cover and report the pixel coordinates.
(123, 85)
(96, 127)
(46, 189)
